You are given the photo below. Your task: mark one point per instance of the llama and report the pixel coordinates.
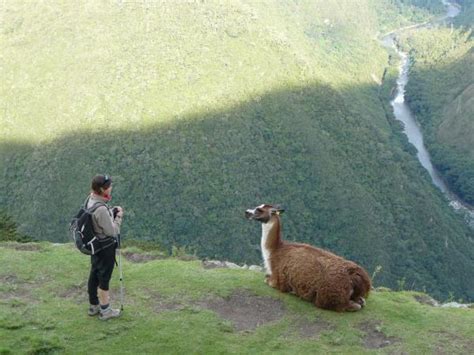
(325, 279)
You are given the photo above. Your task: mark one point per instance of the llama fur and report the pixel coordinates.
(316, 275)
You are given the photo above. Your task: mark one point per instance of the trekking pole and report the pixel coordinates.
(120, 272)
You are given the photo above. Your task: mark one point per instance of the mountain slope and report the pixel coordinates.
(200, 111)
(440, 93)
(175, 306)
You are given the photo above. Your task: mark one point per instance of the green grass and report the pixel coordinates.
(43, 310)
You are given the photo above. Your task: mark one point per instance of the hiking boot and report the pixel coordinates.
(109, 313)
(94, 310)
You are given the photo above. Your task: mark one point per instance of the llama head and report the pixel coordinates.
(264, 213)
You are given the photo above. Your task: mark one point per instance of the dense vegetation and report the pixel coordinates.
(440, 92)
(178, 307)
(467, 14)
(9, 229)
(394, 14)
(200, 111)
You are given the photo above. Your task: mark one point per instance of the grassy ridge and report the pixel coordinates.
(168, 309)
(200, 111)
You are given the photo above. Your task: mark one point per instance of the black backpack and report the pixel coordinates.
(82, 231)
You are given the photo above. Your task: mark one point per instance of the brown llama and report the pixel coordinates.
(316, 275)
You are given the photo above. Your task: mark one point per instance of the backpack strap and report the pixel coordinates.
(94, 206)
(84, 205)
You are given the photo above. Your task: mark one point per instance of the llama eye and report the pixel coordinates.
(259, 210)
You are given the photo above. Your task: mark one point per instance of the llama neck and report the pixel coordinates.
(271, 239)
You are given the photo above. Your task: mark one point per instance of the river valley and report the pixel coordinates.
(411, 128)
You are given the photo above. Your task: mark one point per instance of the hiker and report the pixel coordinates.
(106, 223)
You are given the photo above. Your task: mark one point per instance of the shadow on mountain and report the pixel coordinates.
(346, 182)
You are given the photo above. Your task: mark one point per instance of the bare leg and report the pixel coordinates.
(103, 297)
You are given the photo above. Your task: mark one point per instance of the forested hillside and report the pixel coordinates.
(201, 110)
(441, 93)
(466, 16)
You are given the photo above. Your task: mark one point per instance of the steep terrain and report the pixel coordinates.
(200, 110)
(440, 92)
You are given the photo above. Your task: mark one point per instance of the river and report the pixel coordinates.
(410, 126)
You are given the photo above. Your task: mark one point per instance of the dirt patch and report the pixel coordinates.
(12, 288)
(457, 343)
(310, 329)
(140, 258)
(374, 337)
(76, 293)
(162, 304)
(79, 295)
(244, 310)
(22, 246)
(467, 346)
(9, 279)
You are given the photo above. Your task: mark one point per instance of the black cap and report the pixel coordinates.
(101, 182)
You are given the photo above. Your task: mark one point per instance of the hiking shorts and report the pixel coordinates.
(102, 265)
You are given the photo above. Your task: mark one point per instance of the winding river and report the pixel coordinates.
(411, 128)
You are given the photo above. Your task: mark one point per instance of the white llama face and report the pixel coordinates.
(263, 213)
